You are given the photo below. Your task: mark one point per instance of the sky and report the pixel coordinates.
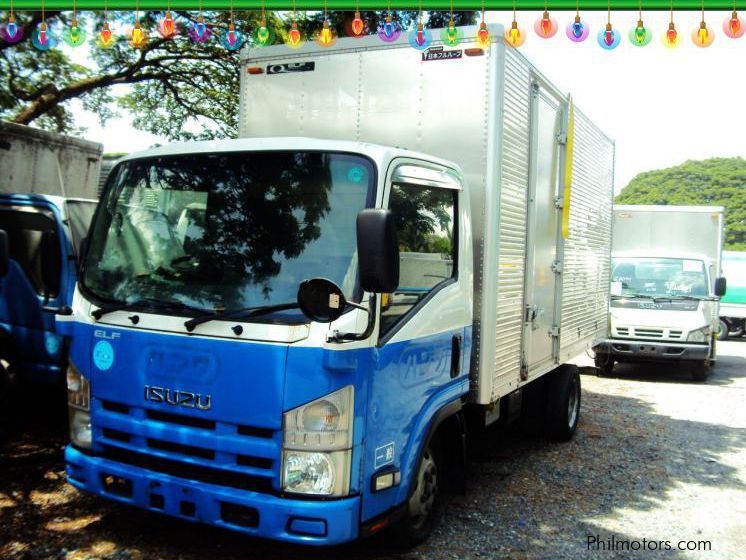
(661, 106)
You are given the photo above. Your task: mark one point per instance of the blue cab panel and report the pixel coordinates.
(29, 333)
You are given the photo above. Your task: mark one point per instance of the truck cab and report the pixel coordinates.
(664, 299)
(237, 406)
(41, 234)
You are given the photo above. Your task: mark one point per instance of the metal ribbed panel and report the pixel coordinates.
(585, 282)
(512, 223)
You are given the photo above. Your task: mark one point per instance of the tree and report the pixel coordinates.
(178, 89)
(711, 182)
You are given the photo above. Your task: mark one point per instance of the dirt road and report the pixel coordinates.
(657, 457)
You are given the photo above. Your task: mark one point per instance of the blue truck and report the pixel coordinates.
(287, 334)
(39, 235)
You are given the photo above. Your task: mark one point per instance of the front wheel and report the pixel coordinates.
(421, 511)
(604, 364)
(723, 330)
(702, 370)
(563, 403)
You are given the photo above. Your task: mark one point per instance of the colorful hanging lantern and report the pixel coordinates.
(733, 26)
(389, 31)
(671, 36)
(263, 35)
(420, 38)
(232, 39)
(451, 35)
(702, 36)
(609, 37)
(11, 32)
(357, 26)
(640, 35)
(167, 26)
(577, 31)
(74, 36)
(514, 35)
(483, 35)
(294, 37)
(546, 26)
(106, 39)
(42, 39)
(137, 37)
(326, 37)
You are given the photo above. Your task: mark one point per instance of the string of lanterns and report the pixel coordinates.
(388, 30)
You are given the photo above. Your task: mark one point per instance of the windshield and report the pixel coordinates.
(657, 277)
(228, 230)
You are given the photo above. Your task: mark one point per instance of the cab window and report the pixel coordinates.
(426, 224)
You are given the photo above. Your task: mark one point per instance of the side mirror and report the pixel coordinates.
(721, 286)
(51, 267)
(4, 254)
(321, 300)
(377, 251)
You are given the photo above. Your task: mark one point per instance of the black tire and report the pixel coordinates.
(701, 370)
(563, 403)
(422, 508)
(604, 364)
(723, 330)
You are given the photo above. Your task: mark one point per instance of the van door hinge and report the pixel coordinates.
(557, 267)
(524, 371)
(562, 138)
(559, 202)
(554, 331)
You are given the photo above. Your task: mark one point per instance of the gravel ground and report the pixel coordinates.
(656, 457)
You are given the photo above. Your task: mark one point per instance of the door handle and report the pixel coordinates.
(455, 355)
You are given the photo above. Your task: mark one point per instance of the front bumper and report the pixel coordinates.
(641, 350)
(310, 522)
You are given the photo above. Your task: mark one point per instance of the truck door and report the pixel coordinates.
(542, 228)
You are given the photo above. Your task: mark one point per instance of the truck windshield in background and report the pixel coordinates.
(228, 230)
(656, 277)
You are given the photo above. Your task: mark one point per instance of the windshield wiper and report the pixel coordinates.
(147, 303)
(677, 298)
(244, 312)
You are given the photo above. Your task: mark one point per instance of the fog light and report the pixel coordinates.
(386, 480)
(80, 427)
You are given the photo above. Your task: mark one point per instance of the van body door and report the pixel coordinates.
(543, 221)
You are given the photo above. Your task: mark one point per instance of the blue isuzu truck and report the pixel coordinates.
(287, 334)
(47, 199)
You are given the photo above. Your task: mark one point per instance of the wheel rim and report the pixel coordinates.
(423, 499)
(572, 406)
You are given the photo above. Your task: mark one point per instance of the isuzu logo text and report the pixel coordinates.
(174, 397)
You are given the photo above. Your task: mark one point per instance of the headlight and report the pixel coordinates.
(317, 442)
(79, 404)
(324, 424)
(700, 335)
(318, 473)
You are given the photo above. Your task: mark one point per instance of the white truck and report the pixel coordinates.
(286, 334)
(665, 285)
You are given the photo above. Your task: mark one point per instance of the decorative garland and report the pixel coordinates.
(388, 31)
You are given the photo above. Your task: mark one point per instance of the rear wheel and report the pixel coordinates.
(563, 403)
(723, 330)
(422, 507)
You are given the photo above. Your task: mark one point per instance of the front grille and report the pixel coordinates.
(189, 471)
(675, 334)
(188, 446)
(648, 333)
(623, 331)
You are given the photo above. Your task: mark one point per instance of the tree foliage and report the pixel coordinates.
(175, 88)
(711, 182)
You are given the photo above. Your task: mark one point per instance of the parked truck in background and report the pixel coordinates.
(733, 303)
(286, 334)
(47, 198)
(665, 285)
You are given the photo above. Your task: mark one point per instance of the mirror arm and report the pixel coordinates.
(339, 337)
(64, 310)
